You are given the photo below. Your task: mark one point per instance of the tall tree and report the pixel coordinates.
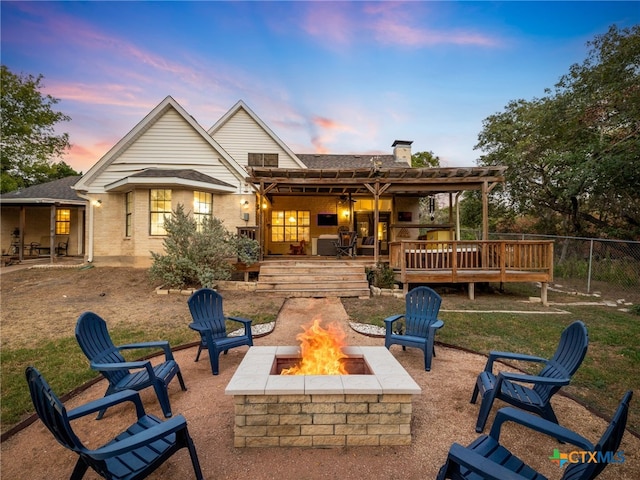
(29, 143)
(575, 153)
(425, 159)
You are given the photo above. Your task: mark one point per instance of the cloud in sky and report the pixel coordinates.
(336, 77)
(404, 24)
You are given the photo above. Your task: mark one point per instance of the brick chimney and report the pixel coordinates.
(402, 151)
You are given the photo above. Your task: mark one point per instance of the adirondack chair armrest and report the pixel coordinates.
(389, 321)
(141, 439)
(108, 401)
(475, 462)
(198, 327)
(522, 377)
(393, 318)
(542, 425)
(163, 344)
(437, 325)
(122, 365)
(495, 355)
(244, 321)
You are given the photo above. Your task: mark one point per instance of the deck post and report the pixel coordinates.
(472, 293)
(543, 293)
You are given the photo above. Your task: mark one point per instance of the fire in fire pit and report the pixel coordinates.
(321, 351)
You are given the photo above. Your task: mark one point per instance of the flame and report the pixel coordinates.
(321, 351)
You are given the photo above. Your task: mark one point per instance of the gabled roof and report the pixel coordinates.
(241, 105)
(142, 127)
(158, 177)
(56, 191)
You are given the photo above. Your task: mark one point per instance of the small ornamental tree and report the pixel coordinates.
(197, 256)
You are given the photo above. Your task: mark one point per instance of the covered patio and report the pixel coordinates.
(384, 205)
(388, 196)
(43, 221)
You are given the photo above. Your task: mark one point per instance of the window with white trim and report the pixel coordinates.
(128, 214)
(290, 225)
(63, 221)
(159, 207)
(202, 207)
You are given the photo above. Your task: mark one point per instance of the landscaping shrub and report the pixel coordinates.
(381, 276)
(199, 255)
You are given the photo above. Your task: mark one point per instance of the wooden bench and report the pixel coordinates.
(43, 247)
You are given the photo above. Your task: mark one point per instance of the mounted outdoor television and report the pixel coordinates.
(327, 219)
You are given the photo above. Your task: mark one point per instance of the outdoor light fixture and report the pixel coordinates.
(97, 203)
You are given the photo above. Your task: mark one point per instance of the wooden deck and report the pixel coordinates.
(422, 261)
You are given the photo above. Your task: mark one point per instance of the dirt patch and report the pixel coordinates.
(50, 301)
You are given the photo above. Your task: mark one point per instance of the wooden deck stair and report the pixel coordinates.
(300, 278)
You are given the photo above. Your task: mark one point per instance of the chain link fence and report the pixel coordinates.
(593, 266)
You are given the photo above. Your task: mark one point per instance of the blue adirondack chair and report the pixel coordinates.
(205, 306)
(556, 372)
(133, 454)
(421, 323)
(94, 340)
(486, 458)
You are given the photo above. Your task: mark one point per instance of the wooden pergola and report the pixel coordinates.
(376, 182)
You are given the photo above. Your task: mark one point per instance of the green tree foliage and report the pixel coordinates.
(29, 143)
(199, 255)
(574, 155)
(425, 159)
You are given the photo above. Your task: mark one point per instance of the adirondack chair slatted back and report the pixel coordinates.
(571, 350)
(95, 341)
(608, 444)
(422, 307)
(205, 306)
(51, 410)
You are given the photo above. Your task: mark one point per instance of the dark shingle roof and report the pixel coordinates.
(312, 160)
(185, 174)
(56, 190)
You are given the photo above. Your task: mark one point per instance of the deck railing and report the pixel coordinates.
(472, 261)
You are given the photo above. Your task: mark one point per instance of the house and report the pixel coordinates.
(241, 172)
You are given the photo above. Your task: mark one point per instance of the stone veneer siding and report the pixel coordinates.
(321, 410)
(322, 420)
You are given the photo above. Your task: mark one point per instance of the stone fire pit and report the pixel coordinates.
(371, 407)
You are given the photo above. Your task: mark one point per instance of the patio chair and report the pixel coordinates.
(487, 458)
(420, 323)
(346, 244)
(94, 340)
(133, 454)
(205, 306)
(556, 372)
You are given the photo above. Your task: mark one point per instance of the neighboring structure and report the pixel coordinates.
(241, 172)
(43, 220)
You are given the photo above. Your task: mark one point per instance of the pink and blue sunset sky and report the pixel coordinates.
(327, 77)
